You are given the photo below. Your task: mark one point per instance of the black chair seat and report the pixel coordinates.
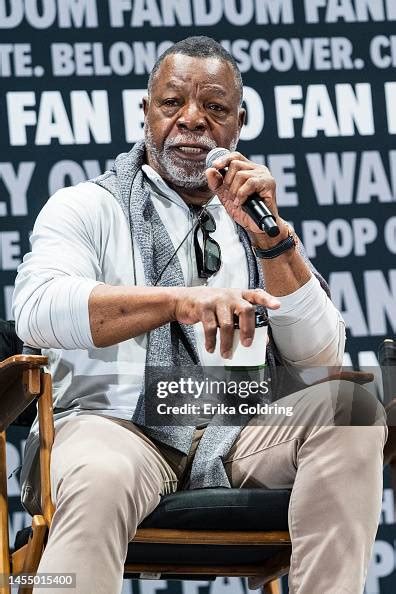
(214, 509)
(222, 509)
(209, 509)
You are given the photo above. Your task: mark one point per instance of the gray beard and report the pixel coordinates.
(191, 175)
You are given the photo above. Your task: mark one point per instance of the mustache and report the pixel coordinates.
(190, 139)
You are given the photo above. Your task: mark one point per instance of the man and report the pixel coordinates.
(104, 290)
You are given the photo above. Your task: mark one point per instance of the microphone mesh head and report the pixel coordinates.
(214, 154)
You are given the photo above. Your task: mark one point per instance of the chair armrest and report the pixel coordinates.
(19, 385)
(26, 361)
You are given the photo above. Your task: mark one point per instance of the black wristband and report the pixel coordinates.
(277, 250)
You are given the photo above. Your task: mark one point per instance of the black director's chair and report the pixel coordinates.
(192, 534)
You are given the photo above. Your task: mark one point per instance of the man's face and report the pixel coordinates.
(193, 107)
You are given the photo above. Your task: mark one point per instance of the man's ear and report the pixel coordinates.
(145, 104)
(241, 117)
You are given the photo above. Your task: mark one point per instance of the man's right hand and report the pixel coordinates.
(216, 308)
(119, 313)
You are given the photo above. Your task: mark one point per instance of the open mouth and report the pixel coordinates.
(191, 151)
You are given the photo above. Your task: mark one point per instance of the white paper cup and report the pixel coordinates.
(253, 356)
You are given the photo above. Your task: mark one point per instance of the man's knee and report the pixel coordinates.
(359, 421)
(335, 403)
(341, 403)
(354, 405)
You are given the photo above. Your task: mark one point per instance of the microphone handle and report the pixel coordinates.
(261, 215)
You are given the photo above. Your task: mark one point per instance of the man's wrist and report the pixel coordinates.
(265, 242)
(278, 250)
(172, 297)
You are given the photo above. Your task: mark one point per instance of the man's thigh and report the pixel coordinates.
(105, 443)
(96, 450)
(266, 451)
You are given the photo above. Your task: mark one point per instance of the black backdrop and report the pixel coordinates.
(321, 102)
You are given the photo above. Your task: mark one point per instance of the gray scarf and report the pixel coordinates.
(173, 344)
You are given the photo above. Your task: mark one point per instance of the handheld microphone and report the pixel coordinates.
(253, 206)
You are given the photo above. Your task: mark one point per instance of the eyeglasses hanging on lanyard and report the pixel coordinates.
(209, 258)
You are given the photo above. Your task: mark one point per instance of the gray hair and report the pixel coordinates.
(199, 46)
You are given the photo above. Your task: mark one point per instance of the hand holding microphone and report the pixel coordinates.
(244, 181)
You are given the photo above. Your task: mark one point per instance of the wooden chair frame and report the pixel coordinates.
(26, 380)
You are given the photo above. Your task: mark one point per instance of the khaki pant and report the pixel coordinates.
(107, 476)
